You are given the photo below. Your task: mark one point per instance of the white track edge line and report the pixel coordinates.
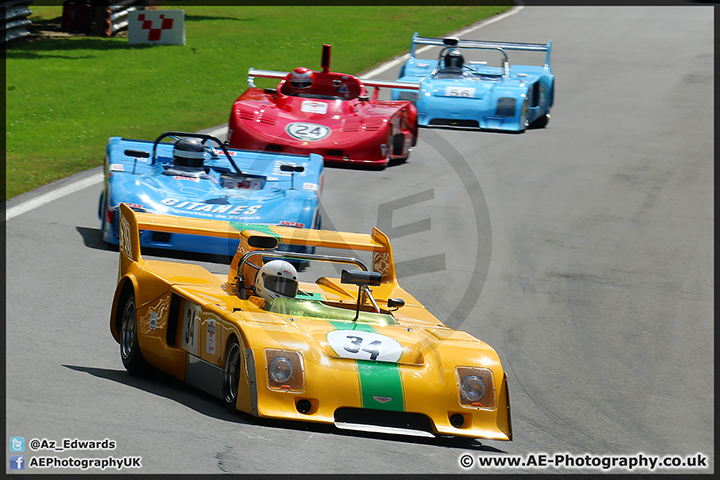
(52, 195)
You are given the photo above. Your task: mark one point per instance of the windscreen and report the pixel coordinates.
(317, 309)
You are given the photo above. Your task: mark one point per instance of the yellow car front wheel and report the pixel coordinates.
(231, 375)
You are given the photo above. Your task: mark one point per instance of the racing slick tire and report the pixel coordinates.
(101, 205)
(231, 375)
(101, 214)
(130, 354)
(542, 121)
(398, 142)
(523, 119)
(398, 146)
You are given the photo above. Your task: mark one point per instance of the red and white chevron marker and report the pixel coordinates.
(156, 27)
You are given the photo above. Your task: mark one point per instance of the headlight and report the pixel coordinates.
(280, 369)
(285, 370)
(473, 387)
(476, 387)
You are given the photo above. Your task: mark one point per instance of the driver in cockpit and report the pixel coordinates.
(188, 159)
(300, 81)
(276, 279)
(454, 62)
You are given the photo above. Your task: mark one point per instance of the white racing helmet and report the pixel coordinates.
(277, 278)
(301, 79)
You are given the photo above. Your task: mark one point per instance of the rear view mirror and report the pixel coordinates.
(291, 168)
(137, 153)
(360, 277)
(395, 303)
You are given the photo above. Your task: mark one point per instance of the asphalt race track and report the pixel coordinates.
(581, 252)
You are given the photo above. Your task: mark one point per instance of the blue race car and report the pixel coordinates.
(197, 176)
(455, 92)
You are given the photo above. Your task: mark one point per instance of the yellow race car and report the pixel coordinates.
(332, 351)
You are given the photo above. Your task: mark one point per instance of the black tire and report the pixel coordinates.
(130, 354)
(541, 121)
(523, 119)
(231, 375)
(101, 205)
(101, 214)
(398, 143)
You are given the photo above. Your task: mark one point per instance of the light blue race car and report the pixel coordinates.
(455, 92)
(197, 176)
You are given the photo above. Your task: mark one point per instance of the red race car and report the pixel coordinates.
(326, 113)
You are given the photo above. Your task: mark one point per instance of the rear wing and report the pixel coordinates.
(480, 44)
(367, 82)
(251, 237)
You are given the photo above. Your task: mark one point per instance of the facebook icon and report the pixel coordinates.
(17, 462)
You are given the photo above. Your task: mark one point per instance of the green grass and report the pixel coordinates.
(66, 96)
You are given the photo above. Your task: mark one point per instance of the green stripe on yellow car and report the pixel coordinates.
(381, 385)
(258, 227)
